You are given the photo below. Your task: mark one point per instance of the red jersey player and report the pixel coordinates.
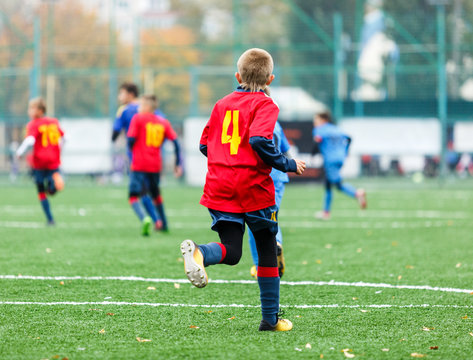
(237, 141)
(146, 134)
(44, 135)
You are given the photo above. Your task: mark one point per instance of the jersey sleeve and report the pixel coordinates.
(316, 136)
(169, 133)
(118, 123)
(205, 133)
(265, 120)
(133, 129)
(59, 128)
(31, 130)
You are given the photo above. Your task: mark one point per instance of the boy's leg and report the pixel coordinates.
(158, 203)
(346, 188)
(279, 188)
(151, 186)
(39, 180)
(135, 189)
(264, 224)
(328, 196)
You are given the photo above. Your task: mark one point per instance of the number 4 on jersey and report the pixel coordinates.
(234, 139)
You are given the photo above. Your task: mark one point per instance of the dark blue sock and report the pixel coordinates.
(160, 210)
(269, 294)
(45, 205)
(328, 200)
(149, 207)
(135, 205)
(213, 253)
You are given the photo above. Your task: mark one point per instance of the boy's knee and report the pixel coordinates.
(232, 257)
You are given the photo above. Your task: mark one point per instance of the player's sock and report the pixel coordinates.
(328, 200)
(158, 202)
(254, 252)
(213, 253)
(268, 281)
(149, 207)
(135, 205)
(45, 205)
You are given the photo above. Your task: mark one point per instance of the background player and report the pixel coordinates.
(44, 135)
(279, 179)
(146, 134)
(333, 144)
(237, 141)
(128, 98)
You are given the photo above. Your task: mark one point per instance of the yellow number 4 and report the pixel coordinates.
(234, 139)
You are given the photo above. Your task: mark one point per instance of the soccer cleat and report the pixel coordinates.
(361, 196)
(254, 272)
(322, 215)
(58, 181)
(281, 325)
(194, 264)
(158, 225)
(51, 223)
(281, 262)
(146, 226)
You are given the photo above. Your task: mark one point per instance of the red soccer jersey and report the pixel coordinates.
(237, 179)
(149, 131)
(46, 150)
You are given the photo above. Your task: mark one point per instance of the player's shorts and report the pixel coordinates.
(266, 218)
(41, 177)
(142, 182)
(332, 172)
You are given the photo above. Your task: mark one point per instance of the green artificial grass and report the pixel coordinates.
(409, 235)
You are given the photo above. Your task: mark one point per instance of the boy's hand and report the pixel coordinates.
(300, 166)
(178, 171)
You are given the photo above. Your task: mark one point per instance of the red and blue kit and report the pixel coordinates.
(46, 150)
(149, 132)
(238, 179)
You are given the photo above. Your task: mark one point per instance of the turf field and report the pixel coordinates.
(392, 282)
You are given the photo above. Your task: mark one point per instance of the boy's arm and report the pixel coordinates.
(172, 135)
(117, 124)
(204, 137)
(25, 145)
(271, 156)
(132, 132)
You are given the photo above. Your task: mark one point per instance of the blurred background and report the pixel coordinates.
(397, 75)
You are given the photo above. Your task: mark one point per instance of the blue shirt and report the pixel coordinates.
(333, 143)
(124, 115)
(281, 143)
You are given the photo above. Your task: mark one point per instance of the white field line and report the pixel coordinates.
(219, 281)
(313, 224)
(304, 306)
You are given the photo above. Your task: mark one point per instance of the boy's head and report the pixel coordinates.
(255, 69)
(127, 92)
(323, 118)
(36, 108)
(148, 104)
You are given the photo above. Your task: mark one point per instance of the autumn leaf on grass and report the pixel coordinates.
(434, 348)
(385, 349)
(142, 340)
(410, 267)
(231, 318)
(347, 353)
(194, 327)
(150, 288)
(308, 346)
(465, 317)
(425, 328)
(471, 334)
(177, 286)
(417, 355)
(458, 265)
(110, 314)
(102, 331)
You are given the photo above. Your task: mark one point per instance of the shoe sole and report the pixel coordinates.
(195, 272)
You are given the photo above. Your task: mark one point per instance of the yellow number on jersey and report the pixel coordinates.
(154, 134)
(234, 139)
(50, 134)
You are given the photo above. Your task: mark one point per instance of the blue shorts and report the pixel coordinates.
(266, 218)
(44, 178)
(144, 182)
(332, 172)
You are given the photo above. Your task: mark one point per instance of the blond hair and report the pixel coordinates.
(151, 100)
(38, 103)
(255, 67)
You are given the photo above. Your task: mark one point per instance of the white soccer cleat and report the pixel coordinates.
(322, 215)
(194, 264)
(361, 197)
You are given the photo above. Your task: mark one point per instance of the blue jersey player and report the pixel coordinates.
(280, 179)
(333, 145)
(128, 98)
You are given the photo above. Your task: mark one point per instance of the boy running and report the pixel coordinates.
(44, 135)
(333, 144)
(237, 141)
(146, 134)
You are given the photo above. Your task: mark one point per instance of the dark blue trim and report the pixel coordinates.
(131, 142)
(203, 149)
(271, 155)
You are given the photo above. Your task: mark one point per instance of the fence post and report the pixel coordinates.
(35, 82)
(337, 64)
(194, 91)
